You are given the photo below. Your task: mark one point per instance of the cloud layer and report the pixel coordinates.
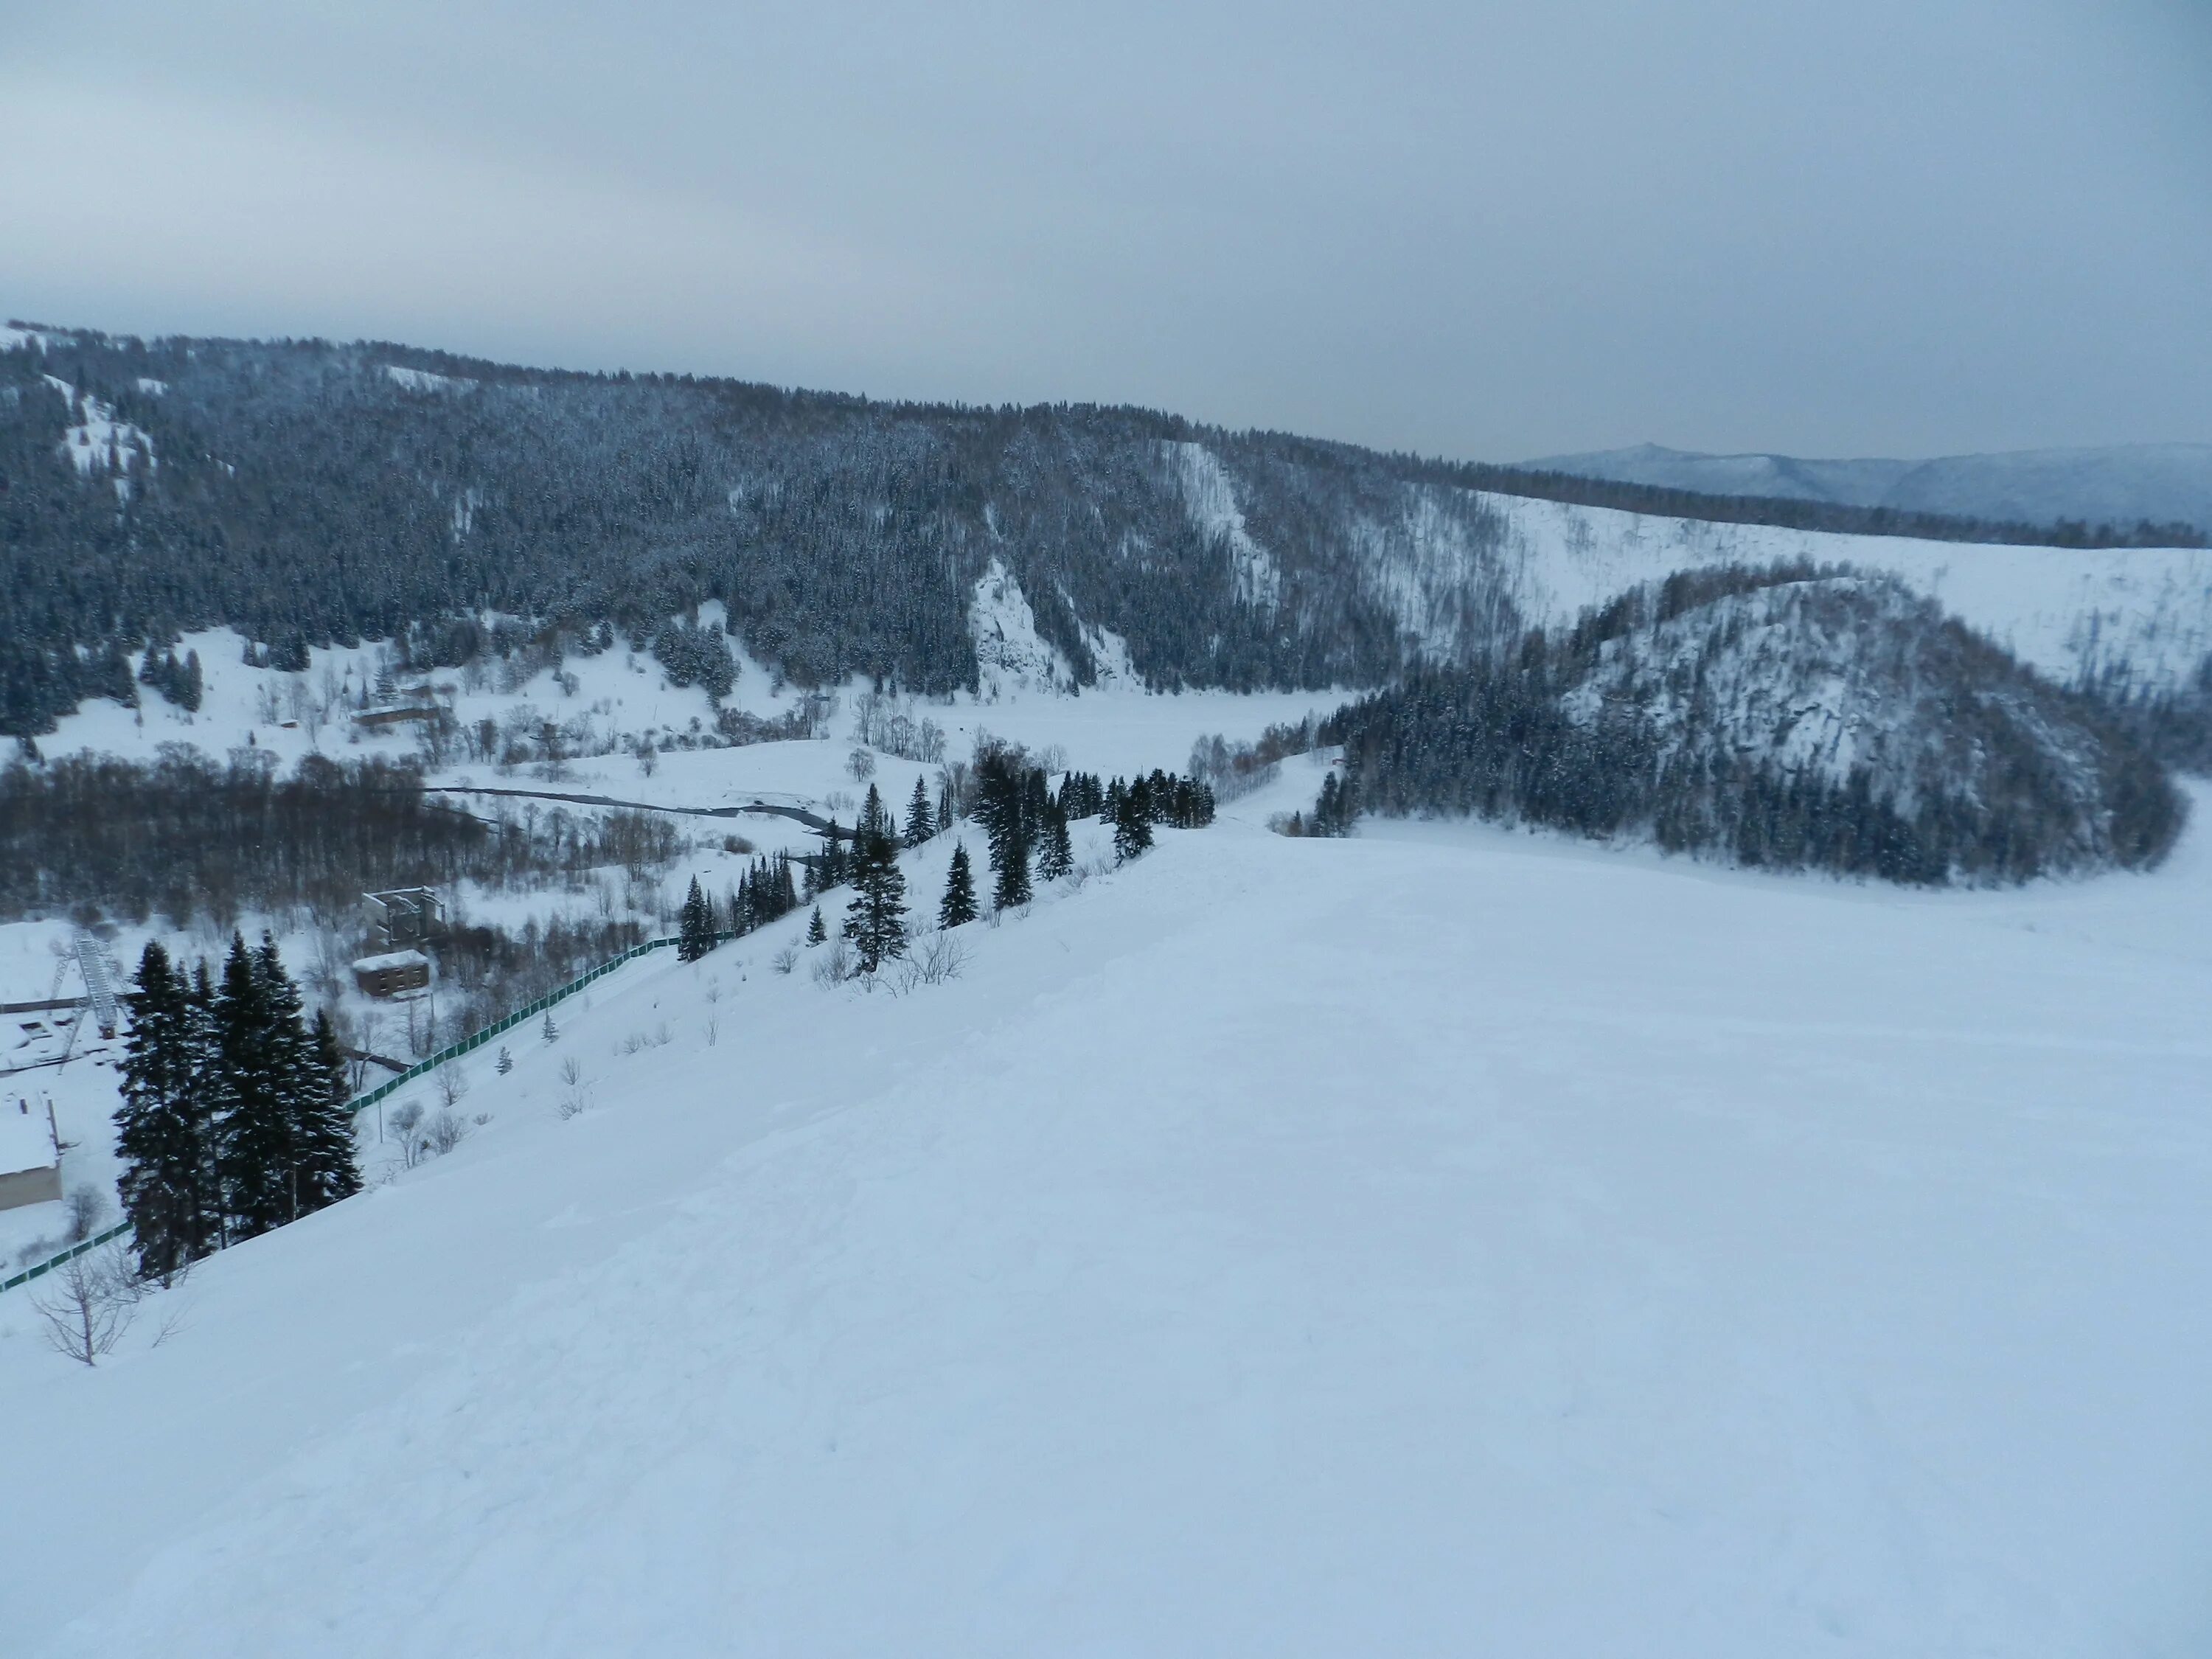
(1480, 230)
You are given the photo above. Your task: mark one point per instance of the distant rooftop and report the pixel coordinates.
(27, 1135)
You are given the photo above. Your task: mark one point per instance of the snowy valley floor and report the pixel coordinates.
(1442, 1242)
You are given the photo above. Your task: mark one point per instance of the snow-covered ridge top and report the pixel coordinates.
(421, 380)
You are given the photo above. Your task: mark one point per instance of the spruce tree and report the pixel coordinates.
(1058, 858)
(959, 903)
(161, 1128)
(818, 932)
(696, 931)
(999, 791)
(1132, 823)
(1011, 886)
(875, 918)
(211, 1090)
(294, 1069)
(920, 825)
(323, 1123)
(255, 1147)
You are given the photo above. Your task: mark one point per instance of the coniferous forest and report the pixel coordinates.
(1789, 719)
(233, 1118)
(307, 493)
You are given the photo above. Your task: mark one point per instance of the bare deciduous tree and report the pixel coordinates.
(86, 1206)
(932, 959)
(406, 1126)
(87, 1303)
(838, 963)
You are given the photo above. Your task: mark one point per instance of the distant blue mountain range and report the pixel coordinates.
(2118, 485)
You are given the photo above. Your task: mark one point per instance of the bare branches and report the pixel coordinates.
(87, 1303)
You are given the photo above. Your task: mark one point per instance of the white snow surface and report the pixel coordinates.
(1011, 655)
(26, 1130)
(100, 442)
(422, 379)
(1210, 494)
(1443, 1240)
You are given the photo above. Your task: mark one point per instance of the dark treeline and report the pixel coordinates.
(185, 836)
(1977, 770)
(302, 493)
(234, 1119)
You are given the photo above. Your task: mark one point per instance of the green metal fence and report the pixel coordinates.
(421, 1069)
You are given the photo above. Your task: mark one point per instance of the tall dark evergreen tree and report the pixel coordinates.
(959, 903)
(328, 1169)
(294, 1075)
(256, 1152)
(1338, 806)
(161, 1128)
(694, 934)
(830, 866)
(1058, 857)
(999, 791)
(920, 825)
(875, 918)
(1133, 822)
(817, 930)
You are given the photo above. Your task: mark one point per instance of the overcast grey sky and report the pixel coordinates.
(1855, 226)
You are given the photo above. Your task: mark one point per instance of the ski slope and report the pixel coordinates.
(1441, 1242)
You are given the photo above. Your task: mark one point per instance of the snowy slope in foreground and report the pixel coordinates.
(1439, 1241)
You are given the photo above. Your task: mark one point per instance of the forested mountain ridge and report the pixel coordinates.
(1788, 718)
(305, 493)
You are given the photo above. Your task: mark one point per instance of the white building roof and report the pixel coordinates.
(27, 1135)
(390, 959)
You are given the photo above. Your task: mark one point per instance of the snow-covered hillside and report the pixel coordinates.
(2144, 614)
(1439, 1242)
(1853, 678)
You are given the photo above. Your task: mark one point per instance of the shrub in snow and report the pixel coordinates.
(838, 963)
